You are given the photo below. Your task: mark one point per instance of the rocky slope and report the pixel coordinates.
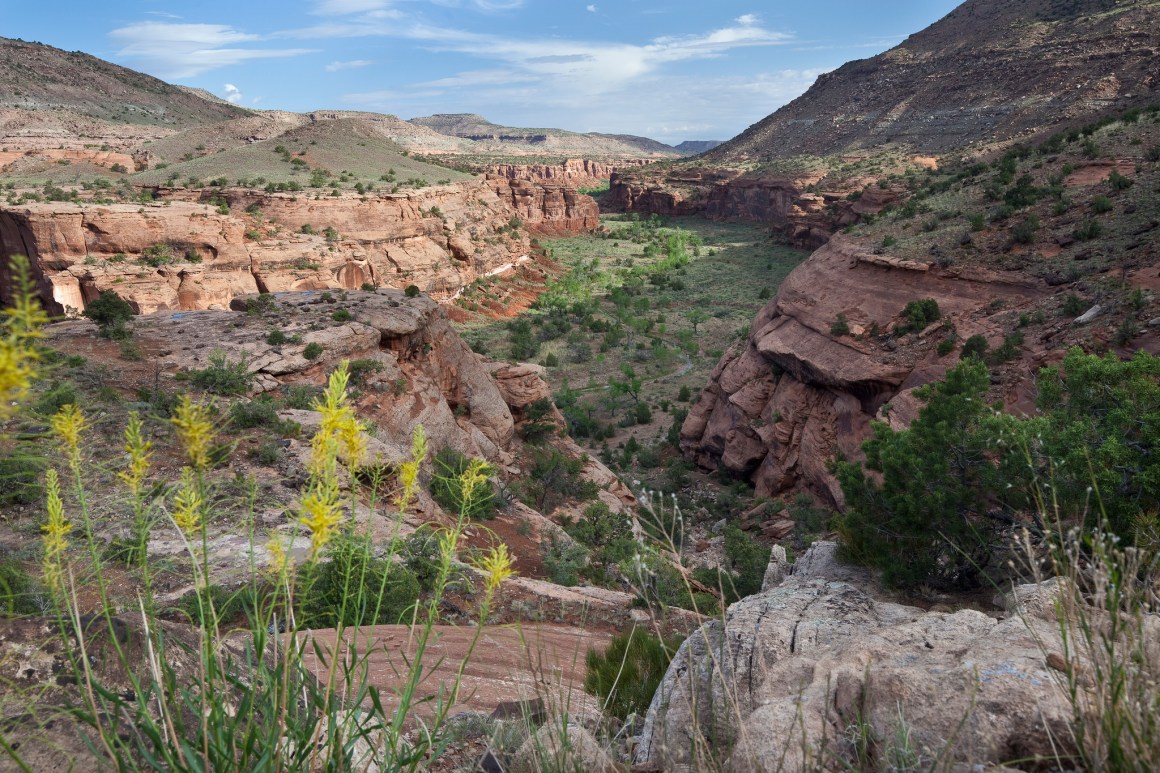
(779, 407)
(795, 676)
(73, 85)
(988, 71)
(182, 254)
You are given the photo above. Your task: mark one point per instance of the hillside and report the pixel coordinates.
(489, 137)
(36, 77)
(988, 71)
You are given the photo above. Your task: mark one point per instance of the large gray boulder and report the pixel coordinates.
(813, 672)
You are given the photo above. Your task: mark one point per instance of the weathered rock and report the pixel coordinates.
(797, 666)
(559, 746)
(777, 410)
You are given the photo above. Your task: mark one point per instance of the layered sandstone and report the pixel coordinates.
(438, 238)
(574, 172)
(780, 407)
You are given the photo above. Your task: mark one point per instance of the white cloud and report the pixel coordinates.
(353, 64)
(327, 7)
(590, 8)
(747, 19)
(176, 51)
(232, 93)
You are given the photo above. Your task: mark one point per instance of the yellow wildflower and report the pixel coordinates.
(18, 356)
(55, 533)
(496, 566)
(188, 504)
(68, 424)
(409, 470)
(321, 514)
(472, 479)
(139, 450)
(277, 557)
(195, 431)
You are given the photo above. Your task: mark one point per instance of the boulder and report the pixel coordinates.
(796, 671)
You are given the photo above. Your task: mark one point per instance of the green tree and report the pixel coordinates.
(630, 385)
(927, 520)
(696, 317)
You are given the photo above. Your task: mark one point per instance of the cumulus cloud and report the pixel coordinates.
(747, 19)
(174, 51)
(590, 8)
(232, 94)
(353, 64)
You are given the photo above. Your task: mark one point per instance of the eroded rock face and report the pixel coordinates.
(800, 664)
(779, 408)
(440, 239)
(574, 172)
(781, 202)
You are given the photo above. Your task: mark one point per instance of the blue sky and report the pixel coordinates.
(667, 69)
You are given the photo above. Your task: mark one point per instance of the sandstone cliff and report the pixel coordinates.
(574, 172)
(779, 407)
(189, 255)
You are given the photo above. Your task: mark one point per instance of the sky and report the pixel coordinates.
(672, 70)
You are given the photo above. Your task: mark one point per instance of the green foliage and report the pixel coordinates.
(276, 338)
(262, 411)
(1024, 232)
(265, 302)
(1100, 429)
(110, 311)
(353, 587)
(312, 350)
(20, 594)
(840, 326)
(214, 605)
(564, 560)
(607, 534)
(554, 478)
(342, 315)
(60, 394)
(21, 471)
(524, 345)
(1101, 205)
(412, 291)
(974, 347)
(157, 255)
(1118, 181)
(223, 376)
(447, 487)
(1073, 305)
(946, 346)
(627, 674)
(925, 522)
(921, 313)
(744, 567)
(1088, 230)
(684, 395)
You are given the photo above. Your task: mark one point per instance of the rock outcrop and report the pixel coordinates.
(574, 172)
(187, 255)
(778, 409)
(780, 202)
(797, 674)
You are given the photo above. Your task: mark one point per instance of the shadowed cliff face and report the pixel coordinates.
(187, 255)
(779, 408)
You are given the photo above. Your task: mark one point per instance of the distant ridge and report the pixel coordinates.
(694, 147)
(474, 127)
(989, 70)
(37, 77)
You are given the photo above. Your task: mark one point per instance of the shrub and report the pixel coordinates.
(607, 534)
(642, 414)
(840, 326)
(353, 587)
(20, 594)
(1073, 305)
(341, 315)
(1153, 153)
(312, 350)
(946, 346)
(1101, 205)
(919, 314)
(1119, 182)
(223, 376)
(276, 337)
(554, 478)
(564, 560)
(975, 346)
(265, 302)
(925, 521)
(627, 674)
(412, 291)
(1024, 232)
(60, 394)
(685, 394)
(889, 241)
(447, 487)
(1088, 231)
(259, 412)
(110, 311)
(21, 471)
